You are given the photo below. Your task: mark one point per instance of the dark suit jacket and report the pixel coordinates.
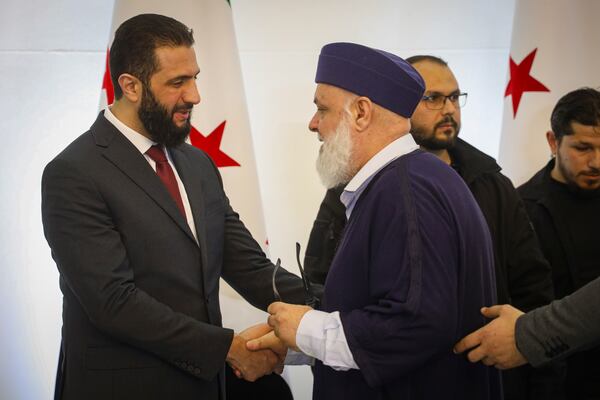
(561, 328)
(141, 316)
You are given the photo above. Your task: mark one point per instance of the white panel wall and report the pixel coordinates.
(51, 59)
(51, 63)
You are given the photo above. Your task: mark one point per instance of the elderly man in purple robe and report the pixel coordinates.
(415, 262)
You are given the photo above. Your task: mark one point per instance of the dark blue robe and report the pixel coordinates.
(413, 269)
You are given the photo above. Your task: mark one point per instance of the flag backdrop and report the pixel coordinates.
(220, 124)
(554, 50)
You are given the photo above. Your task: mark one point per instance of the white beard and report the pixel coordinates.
(333, 163)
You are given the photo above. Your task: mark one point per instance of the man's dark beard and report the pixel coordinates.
(575, 189)
(159, 122)
(428, 140)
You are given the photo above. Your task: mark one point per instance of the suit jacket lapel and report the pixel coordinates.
(123, 154)
(193, 188)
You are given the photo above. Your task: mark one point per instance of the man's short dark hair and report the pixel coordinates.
(581, 105)
(424, 57)
(133, 49)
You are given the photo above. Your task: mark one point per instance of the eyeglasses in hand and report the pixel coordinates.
(309, 297)
(275, 291)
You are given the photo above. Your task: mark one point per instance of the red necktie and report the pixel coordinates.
(166, 175)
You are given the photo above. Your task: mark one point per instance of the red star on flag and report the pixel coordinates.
(210, 144)
(107, 82)
(521, 81)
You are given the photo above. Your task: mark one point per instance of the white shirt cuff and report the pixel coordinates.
(321, 335)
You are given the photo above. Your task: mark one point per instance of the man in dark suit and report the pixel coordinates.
(141, 231)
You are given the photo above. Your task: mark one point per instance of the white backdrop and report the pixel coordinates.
(51, 64)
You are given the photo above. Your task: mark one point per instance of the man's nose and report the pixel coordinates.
(313, 124)
(594, 160)
(449, 107)
(192, 95)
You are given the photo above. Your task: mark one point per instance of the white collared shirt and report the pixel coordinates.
(142, 143)
(399, 147)
(321, 334)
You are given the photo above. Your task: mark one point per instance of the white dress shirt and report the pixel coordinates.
(142, 143)
(320, 334)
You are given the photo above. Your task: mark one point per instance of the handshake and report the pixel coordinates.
(262, 349)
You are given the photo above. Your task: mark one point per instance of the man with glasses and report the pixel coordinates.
(523, 277)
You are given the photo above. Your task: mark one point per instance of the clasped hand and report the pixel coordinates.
(261, 349)
(254, 364)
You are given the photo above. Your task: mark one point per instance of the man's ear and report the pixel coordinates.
(552, 142)
(363, 107)
(131, 87)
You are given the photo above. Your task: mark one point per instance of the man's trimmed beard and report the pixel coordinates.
(158, 121)
(427, 139)
(333, 163)
(571, 181)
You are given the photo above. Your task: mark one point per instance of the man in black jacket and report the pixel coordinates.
(563, 202)
(522, 274)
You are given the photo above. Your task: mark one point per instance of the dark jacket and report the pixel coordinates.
(523, 276)
(413, 269)
(567, 224)
(325, 236)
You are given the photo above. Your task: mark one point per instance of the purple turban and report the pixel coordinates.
(383, 77)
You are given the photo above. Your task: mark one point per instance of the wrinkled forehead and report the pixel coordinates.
(326, 93)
